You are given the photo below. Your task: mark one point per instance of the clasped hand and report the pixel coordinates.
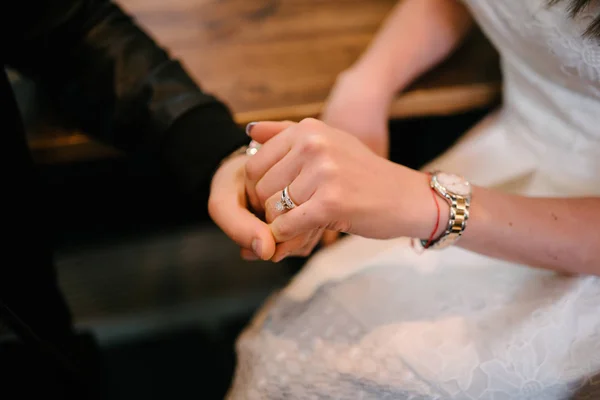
(336, 182)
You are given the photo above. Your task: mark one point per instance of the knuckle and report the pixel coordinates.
(328, 169)
(310, 123)
(313, 143)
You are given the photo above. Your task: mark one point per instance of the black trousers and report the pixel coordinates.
(48, 357)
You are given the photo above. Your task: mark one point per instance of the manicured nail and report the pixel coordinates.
(249, 127)
(257, 247)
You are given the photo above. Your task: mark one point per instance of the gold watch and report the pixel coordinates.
(456, 190)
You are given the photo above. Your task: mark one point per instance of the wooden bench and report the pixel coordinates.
(278, 59)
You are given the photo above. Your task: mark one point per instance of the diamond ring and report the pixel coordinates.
(286, 202)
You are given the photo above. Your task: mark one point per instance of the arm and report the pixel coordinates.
(340, 185)
(112, 81)
(560, 234)
(416, 36)
(555, 233)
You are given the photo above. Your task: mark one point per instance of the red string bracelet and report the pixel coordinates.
(437, 222)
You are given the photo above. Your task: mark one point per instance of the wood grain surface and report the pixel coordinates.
(278, 59)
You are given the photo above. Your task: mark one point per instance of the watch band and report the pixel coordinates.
(459, 214)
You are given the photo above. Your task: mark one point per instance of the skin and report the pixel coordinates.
(339, 184)
(359, 101)
(228, 207)
(559, 234)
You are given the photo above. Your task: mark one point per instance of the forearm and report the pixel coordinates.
(560, 234)
(416, 36)
(113, 81)
(556, 233)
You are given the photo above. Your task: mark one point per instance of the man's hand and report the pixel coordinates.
(228, 207)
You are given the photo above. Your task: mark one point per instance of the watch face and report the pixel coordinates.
(454, 184)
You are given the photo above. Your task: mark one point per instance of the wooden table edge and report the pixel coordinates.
(415, 103)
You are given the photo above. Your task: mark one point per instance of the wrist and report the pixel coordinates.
(417, 209)
(373, 85)
(382, 74)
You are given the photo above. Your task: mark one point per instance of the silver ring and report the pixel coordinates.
(286, 202)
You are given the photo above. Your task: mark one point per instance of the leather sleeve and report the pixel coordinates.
(114, 82)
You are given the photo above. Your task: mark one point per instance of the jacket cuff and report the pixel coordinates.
(197, 142)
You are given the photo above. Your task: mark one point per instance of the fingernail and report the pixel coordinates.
(256, 247)
(281, 258)
(250, 257)
(249, 127)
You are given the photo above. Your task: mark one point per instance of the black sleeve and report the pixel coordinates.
(115, 83)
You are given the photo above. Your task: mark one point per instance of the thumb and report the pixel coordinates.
(263, 131)
(246, 229)
(227, 207)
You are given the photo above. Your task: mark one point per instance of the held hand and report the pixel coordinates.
(336, 182)
(301, 245)
(228, 208)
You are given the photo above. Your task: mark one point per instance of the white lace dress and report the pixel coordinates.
(371, 319)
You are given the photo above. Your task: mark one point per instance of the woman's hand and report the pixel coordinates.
(302, 245)
(336, 182)
(357, 106)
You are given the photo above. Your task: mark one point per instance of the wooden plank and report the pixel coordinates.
(275, 59)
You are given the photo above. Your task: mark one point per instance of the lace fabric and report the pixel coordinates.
(371, 319)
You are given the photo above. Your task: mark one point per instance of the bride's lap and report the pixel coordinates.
(374, 319)
(396, 323)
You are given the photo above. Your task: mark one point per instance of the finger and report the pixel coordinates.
(256, 205)
(329, 237)
(269, 154)
(244, 228)
(263, 131)
(297, 221)
(299, 246)
(227, 207)
(291, 247)
(279, 176)
(300, 191)
(248, 255)
(310, 246)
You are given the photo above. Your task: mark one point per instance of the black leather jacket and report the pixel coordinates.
(114, 82)
(117, 84)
